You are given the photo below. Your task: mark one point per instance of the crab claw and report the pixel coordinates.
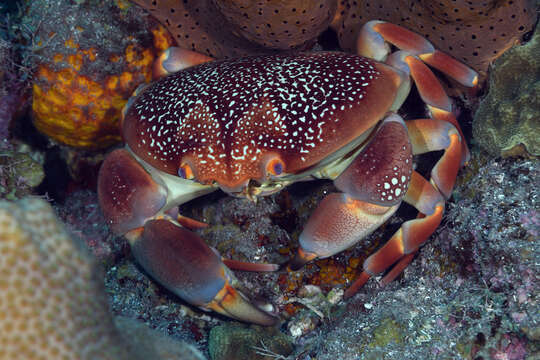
(183, 263)
(301, 258)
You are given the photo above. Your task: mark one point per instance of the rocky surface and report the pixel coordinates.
(508, 119)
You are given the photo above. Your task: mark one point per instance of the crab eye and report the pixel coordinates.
(185, 172)
(275, 167)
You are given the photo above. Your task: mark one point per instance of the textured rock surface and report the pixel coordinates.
(470, 294)
(508, 119)
(232, 342)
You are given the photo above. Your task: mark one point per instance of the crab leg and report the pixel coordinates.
(412, 234)
(372, 42)
(373, 186)
(183, 263)
(373, 193)
(134, 204)
(430, 135)
(175, 59)
(425, 135)
(431, 92)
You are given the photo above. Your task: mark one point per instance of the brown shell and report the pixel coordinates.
(227, 118)
(474, 32)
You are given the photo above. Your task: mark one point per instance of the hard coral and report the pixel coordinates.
(473, 32)
(228, 28)
(52, 301)
(90, 59)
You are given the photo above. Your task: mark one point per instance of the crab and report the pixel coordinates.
(254, 125)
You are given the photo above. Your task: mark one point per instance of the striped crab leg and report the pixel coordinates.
(428, 197)
(373, 41)
(400, 249)
(373, 187)
(175, 59)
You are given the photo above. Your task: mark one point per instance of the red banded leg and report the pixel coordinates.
(372, 42)
(373, 186)
(431, 135)
(438, 103)
(425, 135)
(400, 249)
(374, 36)
(175, 59)
(180, 260)
(343, 219)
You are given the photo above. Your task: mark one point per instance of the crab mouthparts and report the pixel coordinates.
(249, 189)
(252, 189)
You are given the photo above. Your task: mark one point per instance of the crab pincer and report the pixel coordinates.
(184, 264)
(173, 255)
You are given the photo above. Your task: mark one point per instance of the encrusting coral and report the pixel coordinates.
(52, 301)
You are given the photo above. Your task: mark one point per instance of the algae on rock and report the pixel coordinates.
(508, 119)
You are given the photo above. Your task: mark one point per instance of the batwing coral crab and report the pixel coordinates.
(253, 125)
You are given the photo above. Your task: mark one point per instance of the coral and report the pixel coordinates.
(50, 291)
(229, 28)
(508, 119)
(89, 57)
(473, 32)
(52, 301)
(277, 24)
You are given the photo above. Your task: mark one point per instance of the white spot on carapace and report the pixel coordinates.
(237, 110)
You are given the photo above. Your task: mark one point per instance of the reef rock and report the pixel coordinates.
(508, 119)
